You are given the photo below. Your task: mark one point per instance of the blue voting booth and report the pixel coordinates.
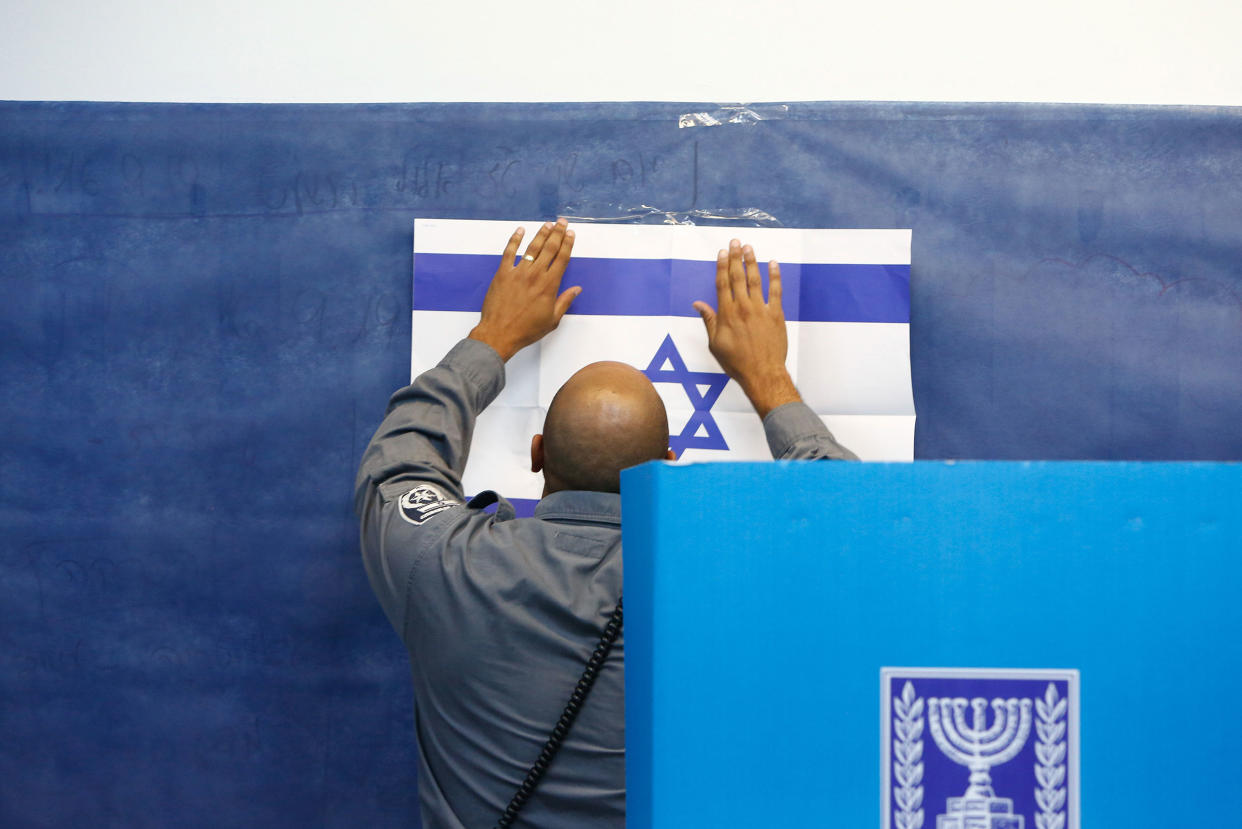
(996, 645)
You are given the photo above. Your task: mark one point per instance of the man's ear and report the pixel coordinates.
(536, 453)
(670, 455)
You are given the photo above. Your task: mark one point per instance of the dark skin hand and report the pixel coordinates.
(525, 301)
(747, 335)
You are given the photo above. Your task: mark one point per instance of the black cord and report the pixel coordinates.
(561, 730)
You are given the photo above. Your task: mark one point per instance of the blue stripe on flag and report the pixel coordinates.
(662, 287)
(523, 507)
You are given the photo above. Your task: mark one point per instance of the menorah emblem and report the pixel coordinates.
(979, 747)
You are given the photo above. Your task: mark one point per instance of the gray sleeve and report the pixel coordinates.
(795, 432)
(425, 436)
(408, 490)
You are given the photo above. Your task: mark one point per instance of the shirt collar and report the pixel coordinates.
(575, 505)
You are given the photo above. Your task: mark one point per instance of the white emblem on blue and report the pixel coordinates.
(424, 501)
(1003, 752)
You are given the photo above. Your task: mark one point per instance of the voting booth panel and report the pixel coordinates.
(998, 645)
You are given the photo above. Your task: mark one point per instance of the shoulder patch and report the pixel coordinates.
(424, 501)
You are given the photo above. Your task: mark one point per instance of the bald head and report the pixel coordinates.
(607, 417)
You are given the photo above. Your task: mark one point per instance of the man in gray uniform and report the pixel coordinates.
(499, 615)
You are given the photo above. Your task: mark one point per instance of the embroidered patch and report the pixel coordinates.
(424, 501)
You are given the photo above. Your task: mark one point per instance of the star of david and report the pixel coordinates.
(702, 387)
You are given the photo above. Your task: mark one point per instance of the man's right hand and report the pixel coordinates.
(747, 335)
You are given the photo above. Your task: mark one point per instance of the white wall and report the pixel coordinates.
(1141, 51)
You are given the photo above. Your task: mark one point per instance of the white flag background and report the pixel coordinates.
(846, 299)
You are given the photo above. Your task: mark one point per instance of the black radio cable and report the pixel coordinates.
(561, 730)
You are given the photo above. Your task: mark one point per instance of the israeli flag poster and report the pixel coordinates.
(846, 300)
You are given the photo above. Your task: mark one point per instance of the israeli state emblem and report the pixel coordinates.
(979, 748)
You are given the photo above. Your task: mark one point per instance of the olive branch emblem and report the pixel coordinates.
(908, 757)
(1050, 757)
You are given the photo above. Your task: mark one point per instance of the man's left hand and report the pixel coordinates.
(524, 301)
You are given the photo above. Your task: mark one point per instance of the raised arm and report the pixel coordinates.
(747, 336)
(425, 435)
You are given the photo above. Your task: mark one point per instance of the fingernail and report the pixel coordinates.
(748, 250)
(569, 234)
(734, 243)
(722, 253)
(520, 231)
(547, 225)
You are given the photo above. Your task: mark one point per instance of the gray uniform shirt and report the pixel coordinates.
(499, 615)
